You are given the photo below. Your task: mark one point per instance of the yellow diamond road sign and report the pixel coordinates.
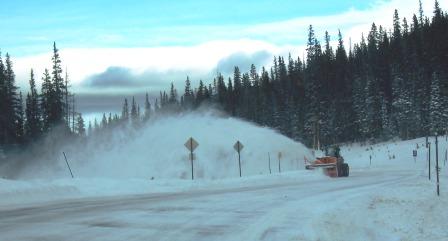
(191, 144)
(238, 146)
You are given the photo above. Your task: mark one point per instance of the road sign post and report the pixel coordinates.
(279, 158)
(269, 162)
(238, 147)
(414, 154)
(191, 145)
(446, 157)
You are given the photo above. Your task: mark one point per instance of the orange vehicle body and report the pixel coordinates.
(331, 166)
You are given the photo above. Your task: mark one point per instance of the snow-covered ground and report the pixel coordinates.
(389, 198)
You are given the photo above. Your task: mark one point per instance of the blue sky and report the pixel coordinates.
(31, 26)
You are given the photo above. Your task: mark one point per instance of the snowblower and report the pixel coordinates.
(333, 164)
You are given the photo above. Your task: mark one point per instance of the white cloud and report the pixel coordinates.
(82, 63)
(289, 35)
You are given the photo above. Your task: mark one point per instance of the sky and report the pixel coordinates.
(119, 48)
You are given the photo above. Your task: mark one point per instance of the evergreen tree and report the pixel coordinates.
(125, 111)
(3, 103)
(420, 11)
(57, 105)
(104, 121)
(200, 94)
(237, 89)
(20, 120)
(147, 114)
(135, 119)
(33, 122)
(47, 96)
(80, 127)
(96, 126)
(90, 129)
(188, 99)
(437, 108)
(110, 120)
(12, 104)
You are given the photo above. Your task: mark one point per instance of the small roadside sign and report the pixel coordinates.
(191, 144)
(414, 153)
(238, 146)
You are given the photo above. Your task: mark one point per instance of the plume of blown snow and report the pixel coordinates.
(157, 151)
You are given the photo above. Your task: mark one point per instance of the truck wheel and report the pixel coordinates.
(342, 170)
(347, 169)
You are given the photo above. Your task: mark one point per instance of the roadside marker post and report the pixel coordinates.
(269, 163)
(191, 145)
(279, 159)
(65, 157)
(238, 147)
(446, 157)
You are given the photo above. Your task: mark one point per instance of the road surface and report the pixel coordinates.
(281, 211)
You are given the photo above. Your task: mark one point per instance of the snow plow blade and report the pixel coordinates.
(332, 166)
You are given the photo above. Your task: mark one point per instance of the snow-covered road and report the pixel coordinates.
(328, 209)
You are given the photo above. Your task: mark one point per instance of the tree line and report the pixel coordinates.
(23, 122)
(393, 83)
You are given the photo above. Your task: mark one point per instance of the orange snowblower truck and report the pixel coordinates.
(333, 165)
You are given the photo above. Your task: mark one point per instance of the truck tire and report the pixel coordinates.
(341, 170)
(346, 170)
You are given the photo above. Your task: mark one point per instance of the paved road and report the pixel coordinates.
(281, 211)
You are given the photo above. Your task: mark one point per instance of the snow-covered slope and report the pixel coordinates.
(395, 154)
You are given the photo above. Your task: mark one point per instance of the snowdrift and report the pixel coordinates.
(157, 151)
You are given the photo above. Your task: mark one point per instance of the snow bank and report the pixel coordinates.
(407, 210)
(44, 190)
(395, 154)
